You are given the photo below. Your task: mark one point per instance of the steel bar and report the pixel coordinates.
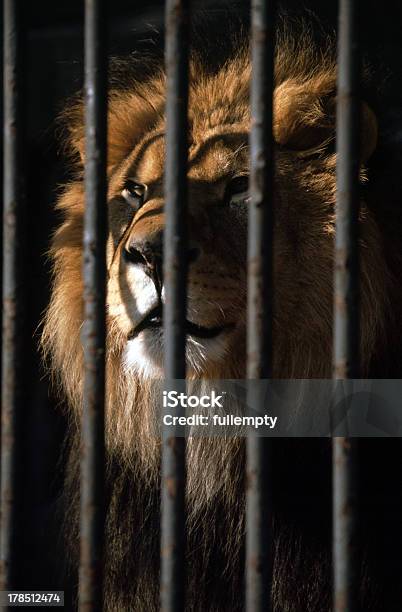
(345, 561)
(346, 302)
(93, 333)
(12, 315)
(174, 315)
(259, 545)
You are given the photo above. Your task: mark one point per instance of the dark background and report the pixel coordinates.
(54, 72)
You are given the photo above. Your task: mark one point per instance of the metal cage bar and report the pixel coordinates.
(12, 315)
(93, 333)
(259, 549)
(346, 302)
(175, 284)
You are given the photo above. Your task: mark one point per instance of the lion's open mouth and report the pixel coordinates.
(153, 320)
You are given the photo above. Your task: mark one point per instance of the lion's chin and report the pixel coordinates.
(144, 353)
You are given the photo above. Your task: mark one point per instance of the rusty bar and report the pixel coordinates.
(93, 332)
(345, 562)
(346, 302)
(13, 299)
(175, 283)
(259, 549)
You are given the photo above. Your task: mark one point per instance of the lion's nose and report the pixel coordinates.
(148, 253)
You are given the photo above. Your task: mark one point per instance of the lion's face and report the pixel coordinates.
(218, 200)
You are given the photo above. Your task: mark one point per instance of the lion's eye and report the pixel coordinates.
(236, 191)
(134, 193)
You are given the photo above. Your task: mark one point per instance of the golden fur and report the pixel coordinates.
(219, 118)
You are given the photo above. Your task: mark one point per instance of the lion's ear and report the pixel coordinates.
(305, 117)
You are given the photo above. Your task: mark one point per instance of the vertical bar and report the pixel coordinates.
(346, 302)
(259, 549)
(346, 575)
(93, 332)
(175, 283)
(12, 315)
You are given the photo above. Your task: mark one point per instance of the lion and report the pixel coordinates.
(304, 204)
